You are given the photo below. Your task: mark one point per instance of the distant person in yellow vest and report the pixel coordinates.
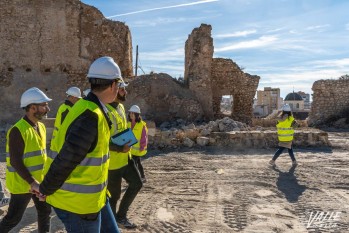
(73, 95)
(140, 130)
(25, 158)
(75, 184)
(285, 129)
(122, 166)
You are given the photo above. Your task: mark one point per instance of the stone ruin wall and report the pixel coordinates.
(198, 63)
(211, 78)
(50, 44)
(162, 99)
(330, 98)
(230, 80)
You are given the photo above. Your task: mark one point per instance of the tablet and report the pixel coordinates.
(123, 137)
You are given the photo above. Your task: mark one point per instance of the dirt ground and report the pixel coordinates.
(219, 190)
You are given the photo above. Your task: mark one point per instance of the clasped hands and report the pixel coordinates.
(34, 188)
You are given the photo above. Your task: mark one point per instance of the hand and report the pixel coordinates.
(34, 188)
(126, 147)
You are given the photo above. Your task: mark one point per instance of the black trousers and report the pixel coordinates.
(139, 165)
(131, 175)
(18, 205)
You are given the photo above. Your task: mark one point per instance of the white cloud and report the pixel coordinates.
(235, 34)
(161, 20)
(339, 63)
(165, 7)
(261, 42)
(317, 27)
(168, 55)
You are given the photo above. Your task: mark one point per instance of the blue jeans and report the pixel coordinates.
(280, 150)
(73, 223)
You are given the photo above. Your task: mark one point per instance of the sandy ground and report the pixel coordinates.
(219, 190)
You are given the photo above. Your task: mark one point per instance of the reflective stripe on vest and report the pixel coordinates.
(86, 161)
(118, 159)
(137, 130)
(85, 190)
(31, 169)
(285, 131)
(78, 188)
(34, 156)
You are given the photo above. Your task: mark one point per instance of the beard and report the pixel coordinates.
(40, 115)
(120, 97)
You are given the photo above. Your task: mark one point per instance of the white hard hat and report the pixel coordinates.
(135, 108)
(86, 91)
(286, 108)
(33, 96)
(104, 68)
(74, 91)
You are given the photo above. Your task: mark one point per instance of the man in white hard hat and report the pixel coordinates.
(121, 165)
(26, 155)
(76, 180)
(73, 95)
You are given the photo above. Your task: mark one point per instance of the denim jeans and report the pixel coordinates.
(18, 205)
(280, 150)
(73, 223)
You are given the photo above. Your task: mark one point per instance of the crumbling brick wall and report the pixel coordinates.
(330, 99)
(50, 44)
(198, 62)
(228, 79)
(162, 99)
(211, 78)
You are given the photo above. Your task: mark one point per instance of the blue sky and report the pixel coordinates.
(288, 43)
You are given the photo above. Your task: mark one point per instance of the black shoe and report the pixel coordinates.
(124, 222)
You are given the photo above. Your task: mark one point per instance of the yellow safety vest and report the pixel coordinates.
(85, 190)
(57, 124)
(285, 131)
(34, 156)
(137, 130)
(118, 118)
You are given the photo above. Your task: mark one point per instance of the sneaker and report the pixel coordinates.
(272, 162)
(294, 163)
(124, 222)
(5, 201)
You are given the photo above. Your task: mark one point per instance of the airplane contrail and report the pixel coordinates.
(165, 7)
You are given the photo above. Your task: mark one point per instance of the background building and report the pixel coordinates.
(268, 100)
(295, 101)
(306, 98)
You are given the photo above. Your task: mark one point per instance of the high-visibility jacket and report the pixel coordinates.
(85, 190)
(58, 121)
(137, 131)
(34, 156)
(285, 130)
(119, 123)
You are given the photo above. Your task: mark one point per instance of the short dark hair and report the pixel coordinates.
(100, 87)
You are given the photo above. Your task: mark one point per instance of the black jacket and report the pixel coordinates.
(81, 138)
